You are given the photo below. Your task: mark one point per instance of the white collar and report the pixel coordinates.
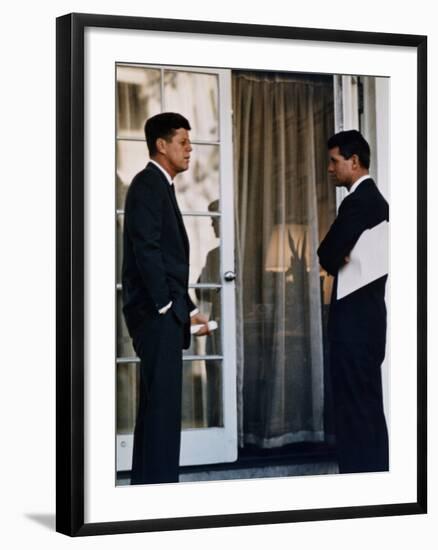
(357, 182)
(169, 179)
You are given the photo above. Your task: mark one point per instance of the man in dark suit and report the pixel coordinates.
(156, 303)
(357, 321)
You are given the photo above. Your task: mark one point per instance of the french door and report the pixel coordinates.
(205, 197)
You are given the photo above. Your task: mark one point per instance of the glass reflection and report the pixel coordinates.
(138, 98)
(203, 234)
(202, 394)
(128, 378)
(195, 96)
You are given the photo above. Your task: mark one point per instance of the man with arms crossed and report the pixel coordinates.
(357, 321)
(156, 303)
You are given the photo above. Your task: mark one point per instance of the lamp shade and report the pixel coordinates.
(287, 243)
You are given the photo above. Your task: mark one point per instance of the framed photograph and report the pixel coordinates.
(265, 432)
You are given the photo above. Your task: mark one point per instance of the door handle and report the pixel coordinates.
(229, 276)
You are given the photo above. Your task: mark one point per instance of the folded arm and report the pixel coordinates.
(336, 246)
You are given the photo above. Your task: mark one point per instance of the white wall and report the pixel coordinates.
(27, 387)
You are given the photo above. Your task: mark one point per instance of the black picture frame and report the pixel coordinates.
(70, 273)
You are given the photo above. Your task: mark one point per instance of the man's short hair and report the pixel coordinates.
(351, 142)
(214, 206)
(163, 126)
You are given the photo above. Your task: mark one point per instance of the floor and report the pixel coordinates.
(283, 470)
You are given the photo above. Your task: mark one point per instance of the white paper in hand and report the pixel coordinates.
(368, 261)
(212, 325)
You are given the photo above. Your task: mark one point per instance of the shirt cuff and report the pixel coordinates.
(194, 312)
(164, 309)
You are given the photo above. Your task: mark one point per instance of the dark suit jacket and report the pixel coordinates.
(361, 315)
(156, 252)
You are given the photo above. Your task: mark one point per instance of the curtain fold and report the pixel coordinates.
(284, 204)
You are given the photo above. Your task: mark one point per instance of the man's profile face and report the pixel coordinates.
(177, 151)
(340, 168)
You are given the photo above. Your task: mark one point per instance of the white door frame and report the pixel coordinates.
(216, 444)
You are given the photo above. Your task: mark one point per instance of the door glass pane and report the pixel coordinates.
(132, 156)
(202, 390)
(199, 186)
(203, 234)
(195, 189)
(209, 302)
(124, 342)
(195, 96)
(138, 98)
(127, 396)
(119, 244)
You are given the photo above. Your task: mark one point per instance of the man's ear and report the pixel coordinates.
(356, 162)
(160, 145)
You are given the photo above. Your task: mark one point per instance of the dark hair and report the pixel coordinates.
(351, 142)
(163, 126)
(214, 206)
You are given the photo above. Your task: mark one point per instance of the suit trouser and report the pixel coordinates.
(360, 426)
(157, 435)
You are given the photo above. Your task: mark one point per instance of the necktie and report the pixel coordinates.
(175, 203)
(179, 215)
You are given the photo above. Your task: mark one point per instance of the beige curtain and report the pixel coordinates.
(284, 204)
